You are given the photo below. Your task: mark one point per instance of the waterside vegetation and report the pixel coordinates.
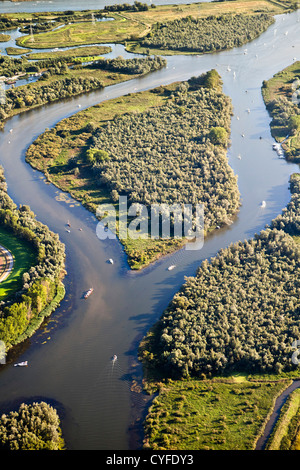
(33, 426)
(42, 289)
(282, 97)
(192, 114)
(65, 77)
(194, 414)
(259, 326)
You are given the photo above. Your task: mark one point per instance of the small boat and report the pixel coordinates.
(171, 267)
(68, 224)
(114, 358)
(88, 293)
(263, 204)
(69, 231)
(111, 261)
(21, 364)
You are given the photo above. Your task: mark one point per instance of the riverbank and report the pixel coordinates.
(28, 297)
(195, 414)
(281, 96)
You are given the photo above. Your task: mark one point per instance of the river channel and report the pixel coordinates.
(70, 358)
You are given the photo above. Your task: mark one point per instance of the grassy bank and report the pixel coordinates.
(198, 414)
(281, 96)
(285, 435)
(77, 52)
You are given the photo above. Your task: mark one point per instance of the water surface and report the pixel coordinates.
(70, 360)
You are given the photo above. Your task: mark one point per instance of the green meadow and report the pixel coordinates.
(24, 258)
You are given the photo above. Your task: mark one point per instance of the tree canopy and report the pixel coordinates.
(241, 310)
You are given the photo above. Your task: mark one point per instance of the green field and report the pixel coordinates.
(116, 31)
(210, 414)
(78, 52)
(24, 258)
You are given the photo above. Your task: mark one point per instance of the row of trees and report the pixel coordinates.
(175, 153)
(137, 6)
(241, 310)
(66, 85)
(207, 34)
(10, 66)
(131, 66)
(9, 23)
(289, 219)
(23, 97)
(32, 427)
(42, 286)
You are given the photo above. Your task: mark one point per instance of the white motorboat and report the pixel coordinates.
(21, 364)
(88, 293)
(111, 261)
(171, 267)
(263, 204)
(114, 358)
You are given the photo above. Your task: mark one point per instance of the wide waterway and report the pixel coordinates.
(70, 360)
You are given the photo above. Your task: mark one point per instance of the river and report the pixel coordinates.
(70, 358)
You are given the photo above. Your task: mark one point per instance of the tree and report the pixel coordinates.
(32, 427)
(294, 123)
(96, 155)
(218, 136)
(213, 80)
